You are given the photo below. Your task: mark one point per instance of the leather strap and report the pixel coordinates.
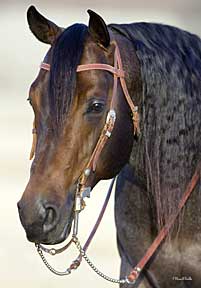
(100, 66)
(134, 274)
(45, 66)
(93, 66)
(134, 109)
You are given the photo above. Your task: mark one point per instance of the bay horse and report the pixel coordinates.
(162, 66)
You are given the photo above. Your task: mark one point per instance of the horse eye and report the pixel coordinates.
(95, 107)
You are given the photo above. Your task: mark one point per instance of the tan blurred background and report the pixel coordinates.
(20, 55)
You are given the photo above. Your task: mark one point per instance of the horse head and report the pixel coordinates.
(70, 112)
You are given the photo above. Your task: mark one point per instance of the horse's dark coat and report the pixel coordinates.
(166, 155)
(170, 62)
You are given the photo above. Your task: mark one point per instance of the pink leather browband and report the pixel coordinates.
(93, 66)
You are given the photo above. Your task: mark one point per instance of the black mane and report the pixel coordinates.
(170, 61)
(66, 56)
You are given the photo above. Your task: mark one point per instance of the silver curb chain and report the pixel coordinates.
(94, 268)
(59, 273)
(86, 258)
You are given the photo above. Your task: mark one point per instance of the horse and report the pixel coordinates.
(162, 72)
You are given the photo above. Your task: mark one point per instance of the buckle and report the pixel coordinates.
(132, 277)
(111, 115)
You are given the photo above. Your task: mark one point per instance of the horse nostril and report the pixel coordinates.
(51, 219)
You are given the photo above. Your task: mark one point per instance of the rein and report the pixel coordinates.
(83, 190)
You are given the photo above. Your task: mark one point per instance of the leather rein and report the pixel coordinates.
(83, 190)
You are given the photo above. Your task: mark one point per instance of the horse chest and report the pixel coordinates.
(177, 263)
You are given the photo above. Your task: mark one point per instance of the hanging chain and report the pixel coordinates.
(95, 269)
(53, 270)
(76, 263)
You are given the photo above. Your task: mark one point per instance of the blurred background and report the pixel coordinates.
(20, 55)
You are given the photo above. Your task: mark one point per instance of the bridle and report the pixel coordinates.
(83, 190)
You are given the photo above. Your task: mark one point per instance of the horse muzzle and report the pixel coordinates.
(45, 222)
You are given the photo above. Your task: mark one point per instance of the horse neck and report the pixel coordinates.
(165, 187)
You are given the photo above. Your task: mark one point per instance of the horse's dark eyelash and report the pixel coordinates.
(90, 107)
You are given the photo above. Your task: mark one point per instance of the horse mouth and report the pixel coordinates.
(63, 236)
(51, 238)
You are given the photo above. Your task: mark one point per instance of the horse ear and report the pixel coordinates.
(44, 30)
(98, 29)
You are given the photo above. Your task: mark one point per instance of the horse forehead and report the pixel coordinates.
(92, 52)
